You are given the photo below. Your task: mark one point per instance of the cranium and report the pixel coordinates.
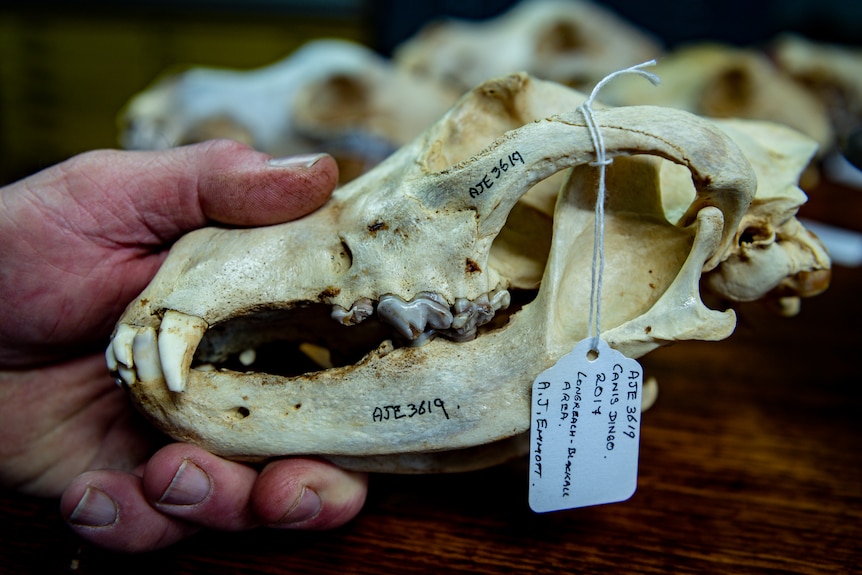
(403, 290)
(727, 82)
(773, 256)
(573, 42)
(294, 105)
(833, 73)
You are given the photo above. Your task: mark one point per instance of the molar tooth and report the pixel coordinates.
(145, 350)
(179, 336)
(122, 344)
(500, 300)
(484, 311)
(464, 312)
(469, 315)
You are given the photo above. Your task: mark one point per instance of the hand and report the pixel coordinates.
(79, 241)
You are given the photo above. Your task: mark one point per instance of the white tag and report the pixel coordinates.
(585, 429)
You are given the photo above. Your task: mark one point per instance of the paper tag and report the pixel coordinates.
(585, 429)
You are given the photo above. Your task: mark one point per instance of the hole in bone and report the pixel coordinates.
(346, 255)
(755, 235)
(242, 412)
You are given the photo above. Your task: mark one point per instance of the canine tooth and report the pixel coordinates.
(179, 336)
(122, 344)
(145, 349)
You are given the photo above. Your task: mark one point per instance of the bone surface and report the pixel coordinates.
(727, 82)
(333, 95)
(833, 73)
(404, 279)
(573, 42)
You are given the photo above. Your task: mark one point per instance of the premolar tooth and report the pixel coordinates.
(179, 336)
(358, 312)
(145, 349)
(122, 344)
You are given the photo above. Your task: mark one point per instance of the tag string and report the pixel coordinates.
(601, 162)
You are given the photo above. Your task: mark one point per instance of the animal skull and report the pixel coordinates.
(772, 257)
(727, 82)
(332, 95)
(831, 72)
(573, 42)
(401, 288)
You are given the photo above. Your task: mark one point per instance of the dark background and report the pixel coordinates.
(67, 68)
(750, 460)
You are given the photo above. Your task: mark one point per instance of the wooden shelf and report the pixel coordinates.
(750, 463)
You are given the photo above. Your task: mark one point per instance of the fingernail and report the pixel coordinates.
(299, 161)
(95, 509)
(306, 506)
(189, 486)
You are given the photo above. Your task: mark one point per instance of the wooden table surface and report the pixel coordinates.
(751, 462)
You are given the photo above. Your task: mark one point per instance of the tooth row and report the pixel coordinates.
(470, 314)
(426, 314)
(139, 354)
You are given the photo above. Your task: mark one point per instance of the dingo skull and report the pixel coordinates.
(404, 289)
